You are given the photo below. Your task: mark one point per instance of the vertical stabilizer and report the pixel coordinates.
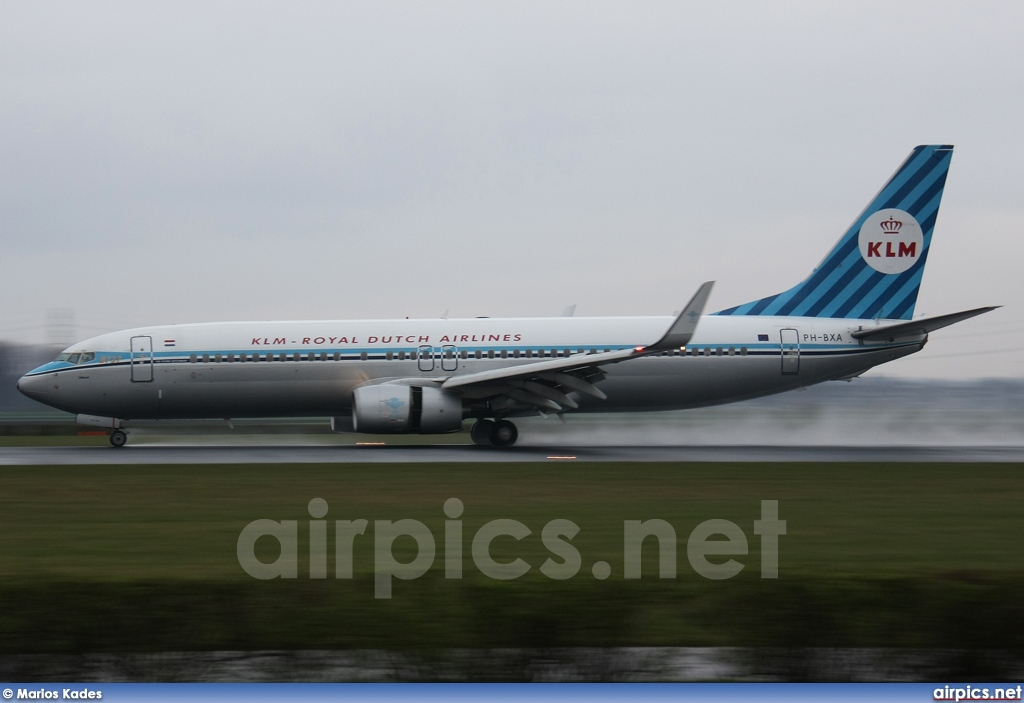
(875, 269)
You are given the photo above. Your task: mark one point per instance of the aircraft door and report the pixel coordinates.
(425, 358)
(449, 358)
(142, 359)
(790, 340)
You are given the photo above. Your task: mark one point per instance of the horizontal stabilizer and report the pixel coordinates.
(916, 328)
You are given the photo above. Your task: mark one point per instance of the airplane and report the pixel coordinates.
(853, 312)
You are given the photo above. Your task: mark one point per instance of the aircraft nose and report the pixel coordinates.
(32, 386)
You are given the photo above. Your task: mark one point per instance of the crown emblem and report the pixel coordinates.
(891, 226)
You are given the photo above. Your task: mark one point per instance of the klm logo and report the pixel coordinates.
(891, 241)
(904, 249)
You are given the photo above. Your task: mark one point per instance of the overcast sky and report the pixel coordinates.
(178, 162)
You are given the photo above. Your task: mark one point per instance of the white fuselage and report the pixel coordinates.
(296, 368)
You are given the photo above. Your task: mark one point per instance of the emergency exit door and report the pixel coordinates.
(790, 339)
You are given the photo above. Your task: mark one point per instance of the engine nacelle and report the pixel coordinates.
(394, 409)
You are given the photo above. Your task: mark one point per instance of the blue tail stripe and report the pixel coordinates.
(873, 303)
(833, 294)
(845, 285)
(848, 296)
(810, 292)
(929, 202)
(848, 265)
(872, 281)
(899, 296)
(923, 174)
(841, 253)
(843, 249)
(900, 312)
(759, 307)
(849, 250)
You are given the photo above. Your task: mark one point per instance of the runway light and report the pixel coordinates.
(562, 458)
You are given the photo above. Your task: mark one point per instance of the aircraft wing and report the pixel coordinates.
(916, 328)
(547, 384)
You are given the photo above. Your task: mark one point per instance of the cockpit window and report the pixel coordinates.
(73, 358)
(87, 357)
(63, 357)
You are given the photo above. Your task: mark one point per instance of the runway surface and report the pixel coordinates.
(149, 454)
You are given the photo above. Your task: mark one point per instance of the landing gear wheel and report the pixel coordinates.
(504, 434)
(118, 439)
(481, 433)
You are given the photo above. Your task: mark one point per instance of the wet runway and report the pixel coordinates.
(150, 454)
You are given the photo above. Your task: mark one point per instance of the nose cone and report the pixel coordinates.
(33, 386)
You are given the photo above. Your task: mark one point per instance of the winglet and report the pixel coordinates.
(682, 330)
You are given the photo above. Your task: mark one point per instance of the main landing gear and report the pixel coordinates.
(497, 433)
(118, 439)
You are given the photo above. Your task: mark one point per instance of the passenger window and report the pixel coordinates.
(718, 351)
(593, 351)
(296, 356)
(231, 358)
(401, 356)
(362, 356)
(490, 353)
(515, 353)
(529, 353)
(219, 358)
(413, 356)
(478, 354)
(462, 354)
(193, 358)
(504, 353)
(389, 356)
(743, 351)
(732, 351)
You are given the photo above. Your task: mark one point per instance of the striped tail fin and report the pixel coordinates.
(875, 269)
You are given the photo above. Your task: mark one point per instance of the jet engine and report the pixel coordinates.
(395, 409)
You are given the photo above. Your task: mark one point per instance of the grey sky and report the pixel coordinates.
(176, 162)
